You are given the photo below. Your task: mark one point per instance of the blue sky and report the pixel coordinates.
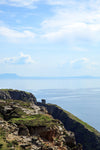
(50, 37)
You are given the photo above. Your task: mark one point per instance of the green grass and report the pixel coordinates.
(4, 144)
(35, 120)
(2, 141)
(7, 145)
(76, 119)
(7, 90)
(19, 102)
(87, 126)
(22, 103)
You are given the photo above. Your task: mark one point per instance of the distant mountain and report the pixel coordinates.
(15, 76)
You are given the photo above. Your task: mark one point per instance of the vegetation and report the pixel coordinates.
(23, 115)
(22, 103)
(75, 119)
(3, 144)
(7, 90)
(7, 145)
(16, 95)
(11, 90)
(87, 126)
(35, 120)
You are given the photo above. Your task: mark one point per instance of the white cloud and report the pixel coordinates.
(83, 63)
(14, 34)
(73, 32)
(11, 60)
(26, 58)
(21, 59)
(73, 21)
(82, 60)
(20, 3)
(82, 4)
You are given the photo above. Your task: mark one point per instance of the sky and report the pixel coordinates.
(50, 37)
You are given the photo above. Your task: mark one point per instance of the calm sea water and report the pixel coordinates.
(81, 97)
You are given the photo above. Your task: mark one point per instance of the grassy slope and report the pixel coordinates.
(87, 126)
(35, 120)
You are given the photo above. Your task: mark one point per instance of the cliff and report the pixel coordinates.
(16, 95)
(84, 133)
(31, 125)
(27, 126)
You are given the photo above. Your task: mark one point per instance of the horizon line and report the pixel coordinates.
(15, 76)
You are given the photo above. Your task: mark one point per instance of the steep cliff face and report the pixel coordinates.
(26, 126)
(16, 95)
(84, 134)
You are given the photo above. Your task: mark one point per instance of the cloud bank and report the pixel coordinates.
(73, 21)
(83, 63)
(14, 34)
(21, 59)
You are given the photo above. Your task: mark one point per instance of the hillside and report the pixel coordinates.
(84, 133)
(31, 125)
(26, 126)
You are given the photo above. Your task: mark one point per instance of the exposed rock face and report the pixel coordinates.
(84, 135)
(16, 95)
(4, 95)
(26, 126)
(41, 138)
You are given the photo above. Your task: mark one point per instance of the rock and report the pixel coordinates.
(70, 141)
(4, 95)
(23, 130)
(34, 139)
(24, 146)
(17, 95)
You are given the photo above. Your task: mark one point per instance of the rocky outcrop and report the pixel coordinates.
(26, 126)
(17, 95)
(15, 109)
(39, 137)
(84, 134)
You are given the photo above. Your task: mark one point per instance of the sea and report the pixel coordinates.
(80, 97)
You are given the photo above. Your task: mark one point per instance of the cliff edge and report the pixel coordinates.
(84, 133)
(27, 126)
(17, 95)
